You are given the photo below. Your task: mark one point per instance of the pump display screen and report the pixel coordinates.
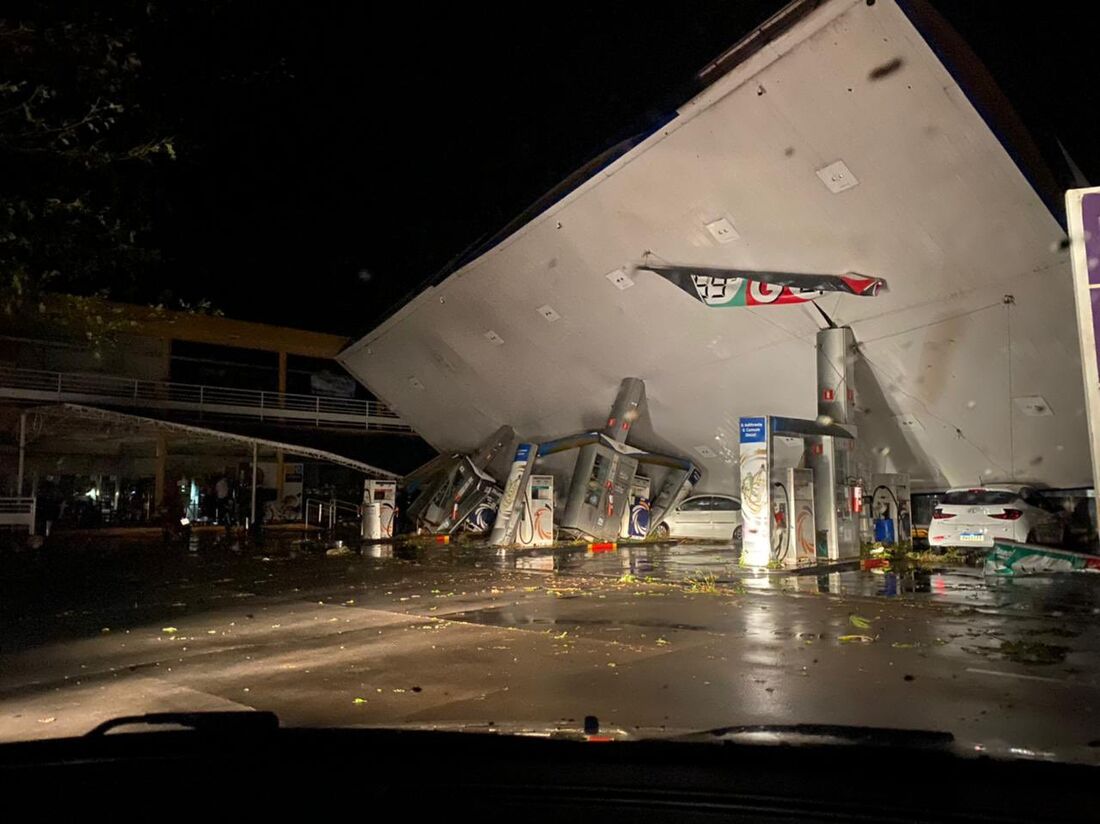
(595, 478)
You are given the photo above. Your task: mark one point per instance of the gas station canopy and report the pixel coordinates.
(840, 137)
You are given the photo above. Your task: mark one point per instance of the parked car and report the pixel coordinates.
(713, 517)
(975, 516)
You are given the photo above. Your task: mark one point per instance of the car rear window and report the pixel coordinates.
(978, 497)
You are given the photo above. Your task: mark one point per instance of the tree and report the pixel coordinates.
(80, 147)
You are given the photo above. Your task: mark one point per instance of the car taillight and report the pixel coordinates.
(939, 515)
(1008, 515)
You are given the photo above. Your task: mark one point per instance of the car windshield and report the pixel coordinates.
(708, 366)
(979, 497)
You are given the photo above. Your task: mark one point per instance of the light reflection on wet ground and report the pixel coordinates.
(1072, 593)
(423, 632)
(149, 576)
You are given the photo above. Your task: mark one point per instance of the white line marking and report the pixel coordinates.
(1016, 675)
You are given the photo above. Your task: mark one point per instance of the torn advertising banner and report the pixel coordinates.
(1014, 558)
(733, 287)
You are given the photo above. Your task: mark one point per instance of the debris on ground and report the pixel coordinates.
(704, 583)
(1033, 652)
(855, 639)
(859, 622)
(1013, 558)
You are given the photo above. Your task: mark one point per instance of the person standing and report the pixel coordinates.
(221, 493)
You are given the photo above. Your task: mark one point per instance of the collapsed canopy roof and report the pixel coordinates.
(833, 141)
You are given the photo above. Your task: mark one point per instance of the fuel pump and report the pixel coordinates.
(794, 502)
(635, 522)
(480, 521)
(536, 527)
(598, 492)
(512, 502)
(891, 508)
(780, 523)
(446, 490)
(379, 508)
(793, 525)
(676, 486)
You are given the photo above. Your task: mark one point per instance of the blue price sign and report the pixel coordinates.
(754, 430)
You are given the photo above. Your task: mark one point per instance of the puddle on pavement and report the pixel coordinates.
(682, 563)
(215, 556)
(505, 617)
(1033, 652)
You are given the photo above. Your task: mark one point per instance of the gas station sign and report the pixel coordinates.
(755, 491)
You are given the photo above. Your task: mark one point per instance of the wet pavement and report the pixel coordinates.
(653, 639)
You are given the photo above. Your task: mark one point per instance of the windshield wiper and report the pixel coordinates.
(218, 723)
(816, 734)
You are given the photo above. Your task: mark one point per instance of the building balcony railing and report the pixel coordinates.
(215, 401)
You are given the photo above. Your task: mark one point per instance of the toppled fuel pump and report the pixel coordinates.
(453, 489)
(601, 493)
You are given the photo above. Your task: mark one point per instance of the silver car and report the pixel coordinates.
(710, 517)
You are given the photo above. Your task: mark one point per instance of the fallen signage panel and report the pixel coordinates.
(1008, 558)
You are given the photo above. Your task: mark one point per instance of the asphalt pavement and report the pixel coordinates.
(653, 640)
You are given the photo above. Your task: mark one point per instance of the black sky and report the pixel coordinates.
(332, 159)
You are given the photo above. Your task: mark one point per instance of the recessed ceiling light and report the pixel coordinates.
(908, 421)
(620, 279)
(1035, 406)
(547, 311)
(722, 230)
(837, 177)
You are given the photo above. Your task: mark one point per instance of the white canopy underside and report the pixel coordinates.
(949, 372)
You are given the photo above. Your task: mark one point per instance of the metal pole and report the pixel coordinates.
(22, 452)
(255, 455)
(161, 469)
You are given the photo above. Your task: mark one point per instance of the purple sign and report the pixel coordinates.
(1090, 222)
(1083, 213)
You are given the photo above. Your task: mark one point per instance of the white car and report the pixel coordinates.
(975, 516)
(711, 517)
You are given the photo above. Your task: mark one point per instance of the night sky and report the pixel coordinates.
(332, 161)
